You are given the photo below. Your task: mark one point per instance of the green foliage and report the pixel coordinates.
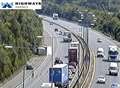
(18, 28)
(7, 71)
(106, 23)
(108, 5)
(109, 25)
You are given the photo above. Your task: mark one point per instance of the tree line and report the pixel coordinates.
(107, 22)
(18, 28)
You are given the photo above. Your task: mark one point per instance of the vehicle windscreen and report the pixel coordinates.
(101, 77)
(99, 51)
(113, 52)
(113, 68)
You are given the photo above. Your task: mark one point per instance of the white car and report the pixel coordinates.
(46, 85)
(70, 75)
(113, 69)
(101, 79)
(100, 52)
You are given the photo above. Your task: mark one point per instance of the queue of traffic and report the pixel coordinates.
(112, 59)
(60, 74)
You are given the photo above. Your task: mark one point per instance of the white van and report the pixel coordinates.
(100, 52)
(113, 68)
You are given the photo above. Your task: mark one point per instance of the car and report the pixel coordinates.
(100, 52)
(101, 79)
(58, 61)
(56, 30)
(29, 66)
(46, 85)
(67, 33)
(60, 32)
(71, 76)
(51, 23)
(99, 40)
(64, 33)
(115, 85)
(74, 64)
(66, 39)
(73, 70)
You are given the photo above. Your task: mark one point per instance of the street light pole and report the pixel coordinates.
(78, 62)
(52, 60)
(52, 44)
(87, 35)
(52, 51)
(24, 67)
(68, 64)
(23, 76)
(52, 56)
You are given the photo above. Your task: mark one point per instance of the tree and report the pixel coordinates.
(19, 29)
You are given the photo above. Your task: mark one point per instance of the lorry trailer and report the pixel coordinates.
(58, 74)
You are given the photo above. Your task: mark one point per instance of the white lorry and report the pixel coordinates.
(113, 53)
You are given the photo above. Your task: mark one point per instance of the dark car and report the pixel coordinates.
(58, 61)
(115, 85)
(29, 67)
(60, 32)
(99, 40)
(69, 35)
(51, 23)
(66, 39)
(73, 64)
(56, 30)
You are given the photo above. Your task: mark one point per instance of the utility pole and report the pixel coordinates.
(23, 76)
(109, 5)
(78, 63)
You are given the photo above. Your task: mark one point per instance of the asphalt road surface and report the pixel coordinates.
(43, 76)
(41, 73)
(61, 52)
(101, 66)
